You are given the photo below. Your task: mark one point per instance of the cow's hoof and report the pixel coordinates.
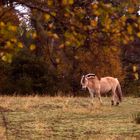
(112, 102)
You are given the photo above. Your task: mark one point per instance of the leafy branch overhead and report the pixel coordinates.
(71, 36)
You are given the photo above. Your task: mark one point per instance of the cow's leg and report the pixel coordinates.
(117, 99)
(113, 97)
(99, 97)
(92, 96)
(112, 102)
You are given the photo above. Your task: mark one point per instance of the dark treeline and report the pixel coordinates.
(48, 46)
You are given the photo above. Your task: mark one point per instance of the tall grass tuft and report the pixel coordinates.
(137, 118)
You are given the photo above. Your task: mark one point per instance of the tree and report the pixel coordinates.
(76, 37)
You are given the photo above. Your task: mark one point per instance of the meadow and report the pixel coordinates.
(62, 118)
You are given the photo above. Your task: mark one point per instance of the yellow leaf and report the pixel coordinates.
(47, 17)
(125, 41)
(136, 76)
(71, 1)
(132, 38)
(76, 57)
(114, 49)
(67, 43)
(57, 60)
(138, 34)
(2, 24)
(50, 25)
(94, 23)
(66, 15)
(123, 18)
(14, 40)
(12, 28)
(129, 29)
(134, 68)
(53, 13)
(97, 12)
(107, 22)
(4, 58)
(64, 2)
(8, 44)
(7, 58)
(55, 36)
(50, 2)
(67, 2)
(61, 46)
(32, 47)
(49, 34)
(34, 35)
(20, 45)
(95, 5)
(107, 26)
(130, 10)
(135, 24)
(108, 5)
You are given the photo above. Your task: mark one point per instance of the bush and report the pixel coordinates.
(132, 88)
(30, 74)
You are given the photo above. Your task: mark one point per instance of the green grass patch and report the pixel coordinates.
(35, 118)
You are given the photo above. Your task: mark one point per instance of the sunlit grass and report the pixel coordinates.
(44, 118)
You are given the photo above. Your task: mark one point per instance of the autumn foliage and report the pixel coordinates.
(71, 38)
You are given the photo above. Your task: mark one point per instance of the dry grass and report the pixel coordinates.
(42, 118)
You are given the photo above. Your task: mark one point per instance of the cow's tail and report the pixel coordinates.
(119, 92)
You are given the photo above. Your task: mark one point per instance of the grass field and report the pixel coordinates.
(62, 118)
